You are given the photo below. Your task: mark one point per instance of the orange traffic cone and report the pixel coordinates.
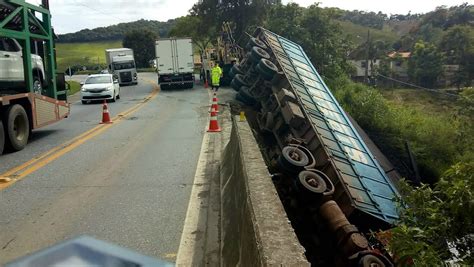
(214, 124)
(214, 105)
(105, 114)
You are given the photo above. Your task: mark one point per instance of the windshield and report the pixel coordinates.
(124, 65)
(99, 79)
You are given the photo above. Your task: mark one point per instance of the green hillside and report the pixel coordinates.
(88, 54)
(358, 33)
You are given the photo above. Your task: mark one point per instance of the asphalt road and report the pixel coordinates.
(128, 185)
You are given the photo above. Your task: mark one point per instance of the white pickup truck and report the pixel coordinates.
(11, 67)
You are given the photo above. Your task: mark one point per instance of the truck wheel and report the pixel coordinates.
(2, 137)
(249, 99)
(17, 128)
(238, 82)
(292, 159)
(267, 69)
(235, 70)
(257, 54)
(255, 42)
(370, 260)
(312, 182)
(37, 85)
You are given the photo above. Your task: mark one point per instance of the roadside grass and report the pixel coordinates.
(71, 54)
(422, 100)
(74, 87)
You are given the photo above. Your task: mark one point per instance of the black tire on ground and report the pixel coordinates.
(257, 54)
(293, 159)
(17, 128)
(312, 182)
(267, 69)
(370, 260)
(2, 137)
(255, 42)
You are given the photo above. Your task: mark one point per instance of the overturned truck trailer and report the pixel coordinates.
(306, 135)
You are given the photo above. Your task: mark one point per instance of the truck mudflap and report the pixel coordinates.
(44, 110)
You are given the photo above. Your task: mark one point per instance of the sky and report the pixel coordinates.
(74, 15)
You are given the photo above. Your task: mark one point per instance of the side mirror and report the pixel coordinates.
(81, 83)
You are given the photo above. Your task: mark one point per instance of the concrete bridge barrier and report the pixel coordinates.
(255, 230)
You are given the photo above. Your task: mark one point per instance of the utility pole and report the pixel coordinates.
(366, 78)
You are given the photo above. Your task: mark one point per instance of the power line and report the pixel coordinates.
(416, 86)
(97, 10)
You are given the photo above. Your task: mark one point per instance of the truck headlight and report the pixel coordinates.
(83, 90)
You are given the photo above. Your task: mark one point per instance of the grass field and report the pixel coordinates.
(70, 54)
(74, 87)
(425, 101)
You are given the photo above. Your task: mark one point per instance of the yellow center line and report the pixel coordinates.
(19, 172)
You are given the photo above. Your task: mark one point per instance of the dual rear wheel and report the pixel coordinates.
(14, 129)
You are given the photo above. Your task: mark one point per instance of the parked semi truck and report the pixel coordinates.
(32, 95)
(327, 178)
(121, 63)
(175, 60)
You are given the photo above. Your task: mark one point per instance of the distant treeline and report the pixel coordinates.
(118, 31)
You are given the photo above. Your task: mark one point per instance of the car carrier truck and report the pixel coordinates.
(32, 95)
(175, 60)
(121, 63)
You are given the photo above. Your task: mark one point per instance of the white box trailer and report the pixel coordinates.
(121, 63)
(175, 62)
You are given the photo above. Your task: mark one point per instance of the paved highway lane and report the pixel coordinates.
(129, 184)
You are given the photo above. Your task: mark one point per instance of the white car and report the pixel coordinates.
(11, 66)
(100, 87)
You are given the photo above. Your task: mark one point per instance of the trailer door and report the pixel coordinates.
(164, 56)
(185, 55)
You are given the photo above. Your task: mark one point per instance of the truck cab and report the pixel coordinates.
(11, 66)
(121, 63)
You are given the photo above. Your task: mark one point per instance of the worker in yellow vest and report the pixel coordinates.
(216, 74)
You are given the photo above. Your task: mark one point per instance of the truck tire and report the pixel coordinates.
(235, 70)
(255, 42)
(238, 82)
(370, 260)
(17, 128)
(2, 137)
(267, 69)
(312, 182)
(257, 54)
(292, 159)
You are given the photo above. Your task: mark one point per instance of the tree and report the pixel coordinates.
(195, 27)
(143, 45)
(458, 47)
(437, 223)
(424, 65)
(314, 30)
(242, 14)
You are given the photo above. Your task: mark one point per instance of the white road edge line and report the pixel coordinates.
(188, 245)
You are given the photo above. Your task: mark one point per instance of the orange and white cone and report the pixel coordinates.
(105, 114)
(214, 124)
(214, 105)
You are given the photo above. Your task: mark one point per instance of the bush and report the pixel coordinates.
(434, 140)
(437, 223)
